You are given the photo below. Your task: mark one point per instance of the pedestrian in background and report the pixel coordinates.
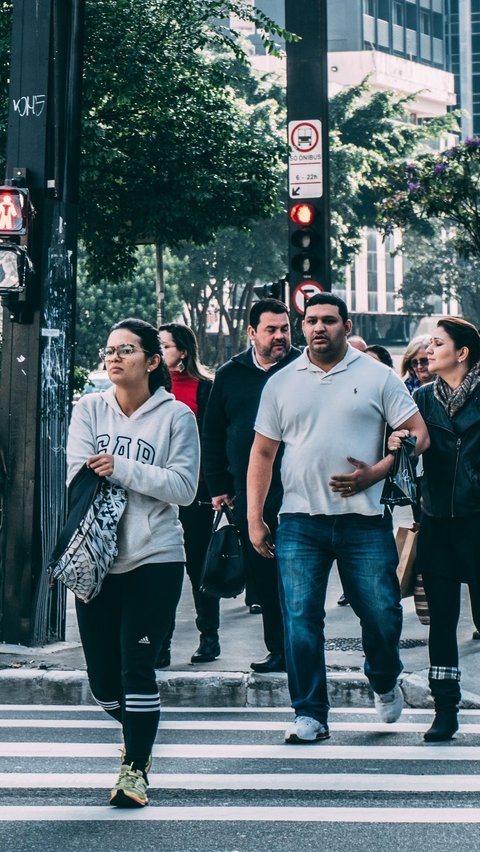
(414, 368)
(138, 436)
(380, 353)
(191, 384)
(329, 408)
(449, 538)
(226, 442)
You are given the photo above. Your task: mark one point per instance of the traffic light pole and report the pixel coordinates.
(307, 111)
(38, 327)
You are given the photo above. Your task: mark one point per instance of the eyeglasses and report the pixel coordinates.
(123, 351)
(419, 362)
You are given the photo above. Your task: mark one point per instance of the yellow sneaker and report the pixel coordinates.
(130, 791)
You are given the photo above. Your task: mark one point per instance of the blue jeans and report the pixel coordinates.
(364, 547)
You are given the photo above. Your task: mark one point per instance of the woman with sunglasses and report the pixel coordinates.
(449, 538)
(414, 366)
(191, 384)
(138, 436)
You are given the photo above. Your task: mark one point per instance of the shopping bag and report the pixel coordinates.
(406, 541)
(223, 571)
(421, 603)
(400, 488)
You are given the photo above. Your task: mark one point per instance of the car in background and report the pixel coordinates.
(97, 380)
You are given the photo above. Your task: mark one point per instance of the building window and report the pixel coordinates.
(369, 6)
(398, 13)
(383, 10)
(372, 282)
(425, 22)
(353, 288)
(411, 17)
(390, 274)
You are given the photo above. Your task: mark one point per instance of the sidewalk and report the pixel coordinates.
(55, 674)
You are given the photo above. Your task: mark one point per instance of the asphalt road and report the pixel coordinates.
(226, 782)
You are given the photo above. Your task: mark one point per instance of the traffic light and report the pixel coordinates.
(14, 211)
(304, 257)
(14, 268)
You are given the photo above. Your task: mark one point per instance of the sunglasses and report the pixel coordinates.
(419, 362)
(123, 351)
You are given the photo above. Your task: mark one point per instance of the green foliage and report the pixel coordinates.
(80, 379)
(435, 269)
(368, 133)
(171, 152)
(101, 305)
(445, 187)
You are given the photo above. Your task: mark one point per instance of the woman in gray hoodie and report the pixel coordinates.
(138, 436)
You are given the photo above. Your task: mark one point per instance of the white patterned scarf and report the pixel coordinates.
(453, 399)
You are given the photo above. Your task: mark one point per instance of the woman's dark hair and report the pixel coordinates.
(148, 334)
(382, 354)
(463, 333)
(185, 339)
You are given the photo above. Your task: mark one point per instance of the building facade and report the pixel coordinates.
(407, 46)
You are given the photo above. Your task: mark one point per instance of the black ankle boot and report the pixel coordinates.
(208, 650)
(444, 726)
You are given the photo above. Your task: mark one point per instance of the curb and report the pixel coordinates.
(219, 689)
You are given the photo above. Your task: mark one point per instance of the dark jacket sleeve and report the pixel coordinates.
(203, 394)
(214, 442)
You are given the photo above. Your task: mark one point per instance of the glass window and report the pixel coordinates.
(383, 10)
(411, 17)
(437, 25)
(369, 6)
(353, 288)
(372, 271)
(425, 22)
(398, 13)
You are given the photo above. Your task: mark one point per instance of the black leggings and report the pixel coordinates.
(122, 630)
(443, 596)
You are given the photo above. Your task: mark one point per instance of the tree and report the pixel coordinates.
(100, 305)
(445, 187)
(370, 134)
(170, 153)
(436, 270)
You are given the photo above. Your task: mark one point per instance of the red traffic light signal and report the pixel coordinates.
(14, 208)
(302, 214)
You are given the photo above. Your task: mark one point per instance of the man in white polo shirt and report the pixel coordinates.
(330, 408)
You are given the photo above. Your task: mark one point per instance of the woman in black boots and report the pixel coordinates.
(191, 384)
(449, 538)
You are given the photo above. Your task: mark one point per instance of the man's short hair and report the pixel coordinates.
(270, 305)
(329, 299)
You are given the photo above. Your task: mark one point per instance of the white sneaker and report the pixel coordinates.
(306, 730)
(389, 705)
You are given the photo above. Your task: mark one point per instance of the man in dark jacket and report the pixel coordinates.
(226, 442)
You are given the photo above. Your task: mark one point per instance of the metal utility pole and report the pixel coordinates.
(38, 326)
(307, 110)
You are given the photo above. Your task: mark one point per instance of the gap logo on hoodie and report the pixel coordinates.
(142, 451)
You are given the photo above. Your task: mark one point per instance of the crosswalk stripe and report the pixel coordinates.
(350, 782)
(229, 751)
(240, 725)
(59, 813)
(93, 708)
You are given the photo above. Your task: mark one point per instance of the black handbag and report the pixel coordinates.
(223, 572)
(400, 488)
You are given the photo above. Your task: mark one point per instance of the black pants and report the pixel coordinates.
(122, 630)
(443, 596)
(197, 521)
(264, 573)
